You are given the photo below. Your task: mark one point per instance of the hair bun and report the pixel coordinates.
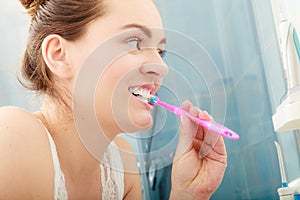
(31, 6)
(26, 3)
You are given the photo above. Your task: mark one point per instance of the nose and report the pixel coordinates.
(154, 65)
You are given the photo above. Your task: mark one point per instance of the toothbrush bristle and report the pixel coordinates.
(152, 99)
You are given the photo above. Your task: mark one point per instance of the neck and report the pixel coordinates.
(75, 159)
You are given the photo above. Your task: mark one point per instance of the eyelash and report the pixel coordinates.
(137, 46)
(161, 52)
(137, 40)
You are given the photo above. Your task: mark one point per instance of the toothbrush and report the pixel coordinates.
(210, 125)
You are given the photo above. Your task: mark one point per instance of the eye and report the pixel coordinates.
(161, 52)
(134, 43)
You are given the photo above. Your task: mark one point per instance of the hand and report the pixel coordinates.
(200, 160)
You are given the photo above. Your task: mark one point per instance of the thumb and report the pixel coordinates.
(187, 132)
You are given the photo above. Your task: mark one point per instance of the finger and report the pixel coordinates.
(204, 115)
(197, 144)
(208, 144)
(202, 131)
(186, 105)
(187, 132)
(194, 111)
(217, 153)
(219, 146)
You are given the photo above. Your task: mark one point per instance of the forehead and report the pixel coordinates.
(142, 12)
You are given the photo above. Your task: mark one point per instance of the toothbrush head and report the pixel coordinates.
(152, 99)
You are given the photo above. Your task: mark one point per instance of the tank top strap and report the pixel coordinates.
(112, 174)
(60, 191)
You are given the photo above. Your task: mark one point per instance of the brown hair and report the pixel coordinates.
(67, 18)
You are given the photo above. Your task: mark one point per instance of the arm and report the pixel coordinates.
(133, 189)
(26, 167)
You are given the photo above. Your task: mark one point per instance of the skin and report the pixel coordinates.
(24, 146)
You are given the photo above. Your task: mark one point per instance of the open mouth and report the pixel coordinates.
(141, 93)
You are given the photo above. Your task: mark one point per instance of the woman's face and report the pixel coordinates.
(136, 28)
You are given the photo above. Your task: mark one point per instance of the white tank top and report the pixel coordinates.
(112, 180)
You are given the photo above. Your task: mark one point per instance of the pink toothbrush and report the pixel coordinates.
(210, 125)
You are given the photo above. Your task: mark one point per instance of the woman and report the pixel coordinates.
(42, 155)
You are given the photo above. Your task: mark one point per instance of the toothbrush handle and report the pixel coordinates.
(213, 127)
(208, 124)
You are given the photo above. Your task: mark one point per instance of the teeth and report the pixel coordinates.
(144, 93)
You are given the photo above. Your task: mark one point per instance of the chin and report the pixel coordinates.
(135, 123)
(147, 125)
(141, 124)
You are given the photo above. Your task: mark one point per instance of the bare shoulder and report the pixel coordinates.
(12, 115)
(26, 165)
(20, 125)
(133, 189)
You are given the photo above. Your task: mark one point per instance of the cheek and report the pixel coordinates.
(105, 104)
(115, 106)
(116, 79)
(119, 115)
(121, 112)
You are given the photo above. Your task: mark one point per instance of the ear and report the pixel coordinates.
(54, 54)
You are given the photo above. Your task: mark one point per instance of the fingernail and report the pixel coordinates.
(205, 115)
(202, 115)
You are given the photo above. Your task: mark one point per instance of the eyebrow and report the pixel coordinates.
(145, 30)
